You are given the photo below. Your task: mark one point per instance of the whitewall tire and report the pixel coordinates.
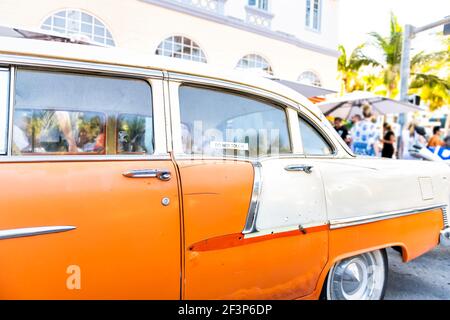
(362, 277)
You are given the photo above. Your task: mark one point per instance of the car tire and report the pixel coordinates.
(361, 277)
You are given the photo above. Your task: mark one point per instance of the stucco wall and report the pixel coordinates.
(142, 26)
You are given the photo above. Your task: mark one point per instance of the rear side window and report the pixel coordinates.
(220, 123)
(313, 143)
(4, 100)
(65, 113)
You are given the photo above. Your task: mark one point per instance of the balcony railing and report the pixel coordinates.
(216, 6)
(258, 17)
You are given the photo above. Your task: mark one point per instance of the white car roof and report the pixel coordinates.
(118, 56)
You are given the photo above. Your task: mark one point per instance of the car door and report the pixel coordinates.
(233, 150)
(89, 195)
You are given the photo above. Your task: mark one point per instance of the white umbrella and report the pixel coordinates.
(308, 91)
(350, 104)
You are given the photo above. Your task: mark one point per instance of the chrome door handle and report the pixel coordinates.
(299, 167)
(161, 174)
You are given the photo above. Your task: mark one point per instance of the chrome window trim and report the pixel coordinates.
(252, 215)
(12, 86)
(34, 231)
(5, 113)
(353, 221)
(155, 78)
(79, 66)
(323, 134)
(174, 87)
(223, 84)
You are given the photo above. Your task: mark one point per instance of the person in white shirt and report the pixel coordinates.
(365, 135)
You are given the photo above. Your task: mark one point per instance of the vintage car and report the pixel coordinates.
(126, 176)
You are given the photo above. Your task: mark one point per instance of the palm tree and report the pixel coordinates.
(431, 77)
(391, 49)
(426, 69)
(349, 67)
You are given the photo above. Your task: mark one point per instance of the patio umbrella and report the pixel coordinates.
(350, 104)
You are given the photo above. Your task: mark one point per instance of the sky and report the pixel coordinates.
(359, 17)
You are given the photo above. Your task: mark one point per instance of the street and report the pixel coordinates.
(425, 278)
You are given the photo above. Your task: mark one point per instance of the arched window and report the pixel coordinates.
(310, 78)
(254, 62)
(182, 48)
(76, 22)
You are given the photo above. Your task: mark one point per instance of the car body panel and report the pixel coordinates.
(122, 231)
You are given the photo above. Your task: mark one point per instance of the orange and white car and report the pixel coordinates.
(137, 177)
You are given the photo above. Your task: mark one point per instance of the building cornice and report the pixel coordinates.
(240, 24)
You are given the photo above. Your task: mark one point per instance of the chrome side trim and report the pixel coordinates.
(64, 158)
(348, 222)
(36, 231)
(250, 224)
(282, 230)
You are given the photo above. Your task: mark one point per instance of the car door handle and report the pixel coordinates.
(161, 174)
(300, 167)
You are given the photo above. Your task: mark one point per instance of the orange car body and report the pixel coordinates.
(184, 237)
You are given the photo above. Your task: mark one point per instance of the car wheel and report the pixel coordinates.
(362, 277)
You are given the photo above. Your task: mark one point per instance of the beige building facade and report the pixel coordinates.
(225, 33)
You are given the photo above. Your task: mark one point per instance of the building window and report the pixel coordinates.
(182, 48)
(75, 22)
(256, 63)
(313, 14)
(310, 78)
(260, 4)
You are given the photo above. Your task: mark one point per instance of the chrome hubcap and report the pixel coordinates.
(357, 278)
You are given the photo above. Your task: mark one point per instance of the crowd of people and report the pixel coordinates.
(366, 138)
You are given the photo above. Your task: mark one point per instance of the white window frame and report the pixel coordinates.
(161, 50)
(107, 37)
(318, 80)
(256, 62)
(312, 17)
(262, 5)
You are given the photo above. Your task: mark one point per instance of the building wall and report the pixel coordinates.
(141, 25)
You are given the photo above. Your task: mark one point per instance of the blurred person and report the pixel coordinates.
(436, 139)
(341, 129)
(407, 141)
(354, 120)
(365, 134)
(388, 142)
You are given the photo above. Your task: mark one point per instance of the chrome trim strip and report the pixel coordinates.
(80, 66)
(445, 217)
(282, 230)
(348, 222)
(35, 231)
(64, 158)
(250, 224)
(12, 86)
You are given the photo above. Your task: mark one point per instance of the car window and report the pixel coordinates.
(220, 123)
(68, 113)
(313, 143)
(4, 100)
